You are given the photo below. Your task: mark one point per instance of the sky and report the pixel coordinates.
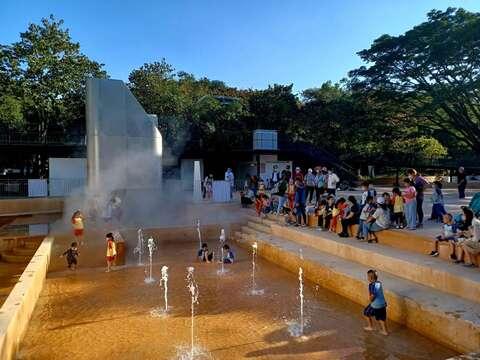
(245, 43)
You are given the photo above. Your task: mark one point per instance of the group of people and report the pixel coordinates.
(207, 184)
(290, 193)
(462, 233)
(72, 253)
(207, 256)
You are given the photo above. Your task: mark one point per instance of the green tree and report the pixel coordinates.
(204, 112)
(434, 69)
(11, 112)
(274, 108)
(48, 71)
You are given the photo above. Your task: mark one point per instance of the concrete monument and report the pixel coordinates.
(124, 146)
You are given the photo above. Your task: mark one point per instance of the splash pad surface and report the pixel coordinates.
(91, 314)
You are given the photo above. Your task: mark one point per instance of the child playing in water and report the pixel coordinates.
(71, 254)
(204, 255)
(228, 255)
(378, 306)
(78, 226)
(111, 251)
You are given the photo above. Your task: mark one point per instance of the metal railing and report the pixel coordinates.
(65, 187)
(33, 138)
(13, 188)
(56, 187)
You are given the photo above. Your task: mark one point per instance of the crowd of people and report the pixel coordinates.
(299, 195)
(313, 195)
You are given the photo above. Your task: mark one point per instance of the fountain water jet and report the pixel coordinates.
(159, 312)
(300, 291)
(199, 234)
(151, 248)
(193, 289)
(222, 254)
(140, 246)
(164, 281)
(254, 290)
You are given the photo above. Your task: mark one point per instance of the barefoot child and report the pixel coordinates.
(111, 250)
(71, 254)
(229, 256)
(204, 255)
(378, 306)
(449, 233)
(78, 226)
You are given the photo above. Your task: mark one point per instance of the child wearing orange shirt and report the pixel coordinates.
(111, 250)
(338, 213)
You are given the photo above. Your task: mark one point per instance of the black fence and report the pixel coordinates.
(34, 138)
(13, 187)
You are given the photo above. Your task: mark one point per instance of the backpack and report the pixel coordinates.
(475, 203)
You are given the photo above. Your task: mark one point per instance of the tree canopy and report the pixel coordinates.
(416, 99)
(42, 79)
(434, 70)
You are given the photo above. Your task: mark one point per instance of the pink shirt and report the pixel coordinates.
(409, 194)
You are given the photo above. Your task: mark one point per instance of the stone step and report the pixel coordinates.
(24, 251)
(423, 269)
(248, 230)
(32, 244)
(443, 317)
(10, 257)
(265, 220)
(259, 226)
(413, 241)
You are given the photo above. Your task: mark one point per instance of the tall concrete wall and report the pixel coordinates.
(124, 146)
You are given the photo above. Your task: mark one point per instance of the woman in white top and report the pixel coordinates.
(471, 247)
(332, 181)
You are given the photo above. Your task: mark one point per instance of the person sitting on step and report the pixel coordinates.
(367, 210)
(351, 217)
(379, 221)
(449, 233)
(471, 247)
(338, 213)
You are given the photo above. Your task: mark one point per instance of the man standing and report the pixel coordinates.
(275, 176)
(310, 183)
(230, 179)
(332, 181)
(419, 182)
(461, 182)
(287, 174)
(298, 174)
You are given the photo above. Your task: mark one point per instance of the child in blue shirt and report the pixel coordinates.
(378, 306)
(229, 255)
(449, 233)
(438, 209)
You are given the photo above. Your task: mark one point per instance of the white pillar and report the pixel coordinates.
(197, 182)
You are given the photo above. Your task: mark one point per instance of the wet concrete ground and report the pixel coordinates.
(90, 314)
